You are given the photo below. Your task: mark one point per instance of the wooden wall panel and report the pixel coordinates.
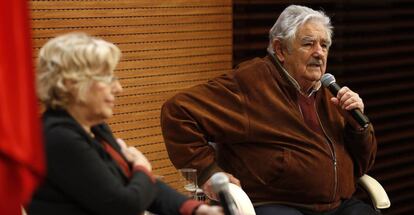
(166, 46)
(372, 53)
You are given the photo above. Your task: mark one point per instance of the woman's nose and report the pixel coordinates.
(116, 87)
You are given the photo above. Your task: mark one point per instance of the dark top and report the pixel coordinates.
(82, 178)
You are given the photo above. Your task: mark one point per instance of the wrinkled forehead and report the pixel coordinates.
(313, 30)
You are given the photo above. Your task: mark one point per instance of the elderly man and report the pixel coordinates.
(286, 138)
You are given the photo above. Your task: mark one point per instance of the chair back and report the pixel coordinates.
(242, 201)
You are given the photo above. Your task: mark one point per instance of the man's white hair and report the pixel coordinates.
(291, 19)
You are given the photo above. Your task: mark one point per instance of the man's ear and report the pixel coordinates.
(279, 50)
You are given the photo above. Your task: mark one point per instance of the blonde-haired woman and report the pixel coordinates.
(88, 170)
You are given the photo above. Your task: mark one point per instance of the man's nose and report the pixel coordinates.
(318, 50)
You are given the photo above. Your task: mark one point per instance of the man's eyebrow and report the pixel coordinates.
(307, 38)
(311, 39)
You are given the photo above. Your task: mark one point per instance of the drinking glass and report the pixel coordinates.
(188, 182)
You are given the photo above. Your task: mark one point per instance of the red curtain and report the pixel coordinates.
(21, 149)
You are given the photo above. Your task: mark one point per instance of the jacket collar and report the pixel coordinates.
(291, 81)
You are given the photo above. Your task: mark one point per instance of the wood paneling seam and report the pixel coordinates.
(133, 17)
(135, 129)
(142, 137)
(132, 121)
(175, 57)
(150, 93)
(138, 111)
(168, 32)
(180, 48)
(133, 8)
(141, 25)
(165, 83)
(140, 103)
(175, 65)
(176, 73)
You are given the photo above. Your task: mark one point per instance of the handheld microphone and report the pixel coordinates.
(328, 80)
(220, 184)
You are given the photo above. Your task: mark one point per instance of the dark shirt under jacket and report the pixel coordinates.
(82, 178)
(283, 150)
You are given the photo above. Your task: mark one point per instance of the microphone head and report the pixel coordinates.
(219, 182)
(327, 79)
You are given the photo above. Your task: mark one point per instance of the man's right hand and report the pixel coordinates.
(208, 188)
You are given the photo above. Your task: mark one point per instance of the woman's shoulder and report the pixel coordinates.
(59, 128)
(53, 118)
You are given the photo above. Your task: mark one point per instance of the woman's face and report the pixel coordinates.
(99, 99)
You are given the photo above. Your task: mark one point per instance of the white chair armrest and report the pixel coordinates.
(376, 192)
(243, 203)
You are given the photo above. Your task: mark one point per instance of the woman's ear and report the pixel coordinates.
(70, 86)
(279, 50)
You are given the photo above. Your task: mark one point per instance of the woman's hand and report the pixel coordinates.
(209, 210)
(134, 156)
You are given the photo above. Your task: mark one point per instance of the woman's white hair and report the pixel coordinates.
(72, 57)
(291, 19)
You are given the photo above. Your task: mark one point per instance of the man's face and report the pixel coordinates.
(306, 58)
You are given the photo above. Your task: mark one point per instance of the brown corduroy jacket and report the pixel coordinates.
(252, 115)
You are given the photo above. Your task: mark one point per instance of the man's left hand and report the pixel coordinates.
(348, 100)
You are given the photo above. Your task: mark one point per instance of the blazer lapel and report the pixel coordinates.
(102, 131)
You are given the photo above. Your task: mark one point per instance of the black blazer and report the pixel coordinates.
(82, 178)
